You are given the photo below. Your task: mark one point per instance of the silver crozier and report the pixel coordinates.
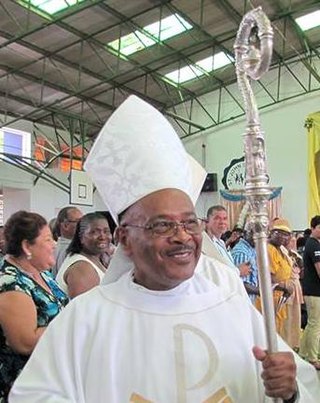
(253, 50)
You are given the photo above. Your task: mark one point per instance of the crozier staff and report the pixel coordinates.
(159, 332)
(252, 63)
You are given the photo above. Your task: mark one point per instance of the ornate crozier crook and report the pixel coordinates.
(252, 63)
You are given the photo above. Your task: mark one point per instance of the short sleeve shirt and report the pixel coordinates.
(311, 280)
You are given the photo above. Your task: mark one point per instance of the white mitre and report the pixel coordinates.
(137, 153)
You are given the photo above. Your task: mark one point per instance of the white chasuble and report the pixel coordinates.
(123, 343)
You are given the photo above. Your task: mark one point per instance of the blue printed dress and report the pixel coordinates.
(47, 305)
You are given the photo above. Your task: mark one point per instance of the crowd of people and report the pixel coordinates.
(294, 269)
(33, 288)
(170, 313)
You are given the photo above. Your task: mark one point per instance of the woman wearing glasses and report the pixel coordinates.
(88, 255)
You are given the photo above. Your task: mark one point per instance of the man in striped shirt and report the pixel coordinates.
(244, 252)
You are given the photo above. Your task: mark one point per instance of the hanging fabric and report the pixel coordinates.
(312, 124)
(234, 200)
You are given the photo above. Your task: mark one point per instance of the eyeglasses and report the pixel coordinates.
(166, 228)
(281, 233)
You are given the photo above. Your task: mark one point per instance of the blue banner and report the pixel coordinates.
(228, 195)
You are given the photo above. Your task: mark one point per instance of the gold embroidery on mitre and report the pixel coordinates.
(219, 397)
(134, 398)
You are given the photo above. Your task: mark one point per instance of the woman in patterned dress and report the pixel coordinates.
(29, 296)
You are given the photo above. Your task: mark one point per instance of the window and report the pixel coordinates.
(50, 7)
(158, 31)
(200, 68)
(309, 21)
(16, 142)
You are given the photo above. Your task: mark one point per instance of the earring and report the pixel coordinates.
(29, 256)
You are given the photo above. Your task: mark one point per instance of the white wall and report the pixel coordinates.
(47, 200)
(19, 192)
(286, 147)
(19, 199)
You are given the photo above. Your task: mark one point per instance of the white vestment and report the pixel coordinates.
(123, 343)
(220, 274)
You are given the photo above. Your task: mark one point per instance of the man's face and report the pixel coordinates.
(217, 223)
(316, 232)
(279, 237)
(68, 227)
(161, 262)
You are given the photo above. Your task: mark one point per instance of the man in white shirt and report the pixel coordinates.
(217, 225)
(159, 333)
(66, 223)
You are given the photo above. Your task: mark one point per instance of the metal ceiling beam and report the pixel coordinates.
(116, 85)
(104, 46)
(210, 38)
(293, 60)
(49, 108)
(94, 75)
(169, 114)
(133, 25)
(184, 120)
(102, 79)
(280, 16)
(49, 54)
(303, 39)
(49, 21)
(41, 81)
(87, 36)
(21, 163)
(241, 114)
(237, 17)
